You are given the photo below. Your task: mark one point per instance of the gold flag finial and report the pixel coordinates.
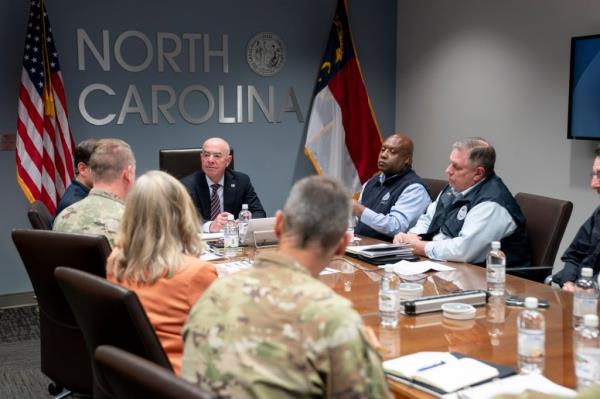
(49, 109)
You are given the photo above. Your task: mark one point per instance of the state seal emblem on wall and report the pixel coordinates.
(266, 53)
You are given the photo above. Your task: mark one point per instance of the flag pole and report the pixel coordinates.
(49, 107)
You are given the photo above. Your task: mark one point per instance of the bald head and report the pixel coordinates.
(215, 158)
(217, 142)
(396, 154)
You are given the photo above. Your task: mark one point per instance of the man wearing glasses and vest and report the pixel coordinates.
(473, 210)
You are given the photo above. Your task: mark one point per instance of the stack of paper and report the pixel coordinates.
(211, 236)
(225, 269)
(409, 268)
(514, 385)
(209, 256)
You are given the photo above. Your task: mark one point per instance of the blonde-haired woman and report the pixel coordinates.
(156, 255)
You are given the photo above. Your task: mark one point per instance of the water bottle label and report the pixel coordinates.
(230, 241)
(389, 301)
(583, 306)
(531, 342)
(496, 275)
(587, 363)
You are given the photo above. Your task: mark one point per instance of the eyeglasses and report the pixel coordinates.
(208, 154)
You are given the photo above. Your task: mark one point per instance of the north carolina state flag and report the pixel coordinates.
(343, 139)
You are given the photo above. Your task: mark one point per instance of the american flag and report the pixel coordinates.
(44, 142)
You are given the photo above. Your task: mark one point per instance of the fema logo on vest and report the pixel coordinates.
(385, 198)
(462, 213)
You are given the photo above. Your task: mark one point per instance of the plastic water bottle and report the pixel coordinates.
(389, 298)
(495, 315)
(496, 270)
(230, 237)
(244, 218)
(531, 329)
(350, 230)
(587, 352)
(585, 300)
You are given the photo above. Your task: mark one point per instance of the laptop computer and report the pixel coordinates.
(260, 232)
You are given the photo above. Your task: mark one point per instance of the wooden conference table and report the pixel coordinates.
(491, 336)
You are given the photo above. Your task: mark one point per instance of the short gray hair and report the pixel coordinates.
(317, 211)
(109, 158)
(481, 152)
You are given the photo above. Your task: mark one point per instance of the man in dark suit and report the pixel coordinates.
(584, 251)
(218, 191)
(83, 182)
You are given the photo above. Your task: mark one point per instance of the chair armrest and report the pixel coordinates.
(547, 280)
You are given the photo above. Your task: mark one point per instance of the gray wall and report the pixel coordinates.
(271, 153)
(497, 69)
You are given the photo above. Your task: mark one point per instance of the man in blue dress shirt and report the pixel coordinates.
(80, 186)
(392, 201)
(473, 210)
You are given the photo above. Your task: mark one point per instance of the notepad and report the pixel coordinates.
(440, 370)
(408, 366)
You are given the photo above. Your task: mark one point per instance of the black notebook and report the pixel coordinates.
(384, 260)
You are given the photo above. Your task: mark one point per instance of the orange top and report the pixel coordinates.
(168, 302)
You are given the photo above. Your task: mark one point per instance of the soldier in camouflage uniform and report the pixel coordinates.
(113, 170)
(275, 331)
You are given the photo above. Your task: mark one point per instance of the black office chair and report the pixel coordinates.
(109, 314)
(182, 162)
(547, 219)
(64, 358)
(39, 216)
(133, 377)
(435, 186)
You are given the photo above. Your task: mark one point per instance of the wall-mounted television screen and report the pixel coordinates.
(584, 88)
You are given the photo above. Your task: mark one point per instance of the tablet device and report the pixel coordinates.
(384, 260)
(260, 232)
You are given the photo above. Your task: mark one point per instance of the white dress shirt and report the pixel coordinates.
(485, 222)
(411, 204)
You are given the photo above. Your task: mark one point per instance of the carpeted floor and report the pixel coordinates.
(20, 375)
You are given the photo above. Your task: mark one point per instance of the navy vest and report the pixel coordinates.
(515, 246)
(380, 197)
